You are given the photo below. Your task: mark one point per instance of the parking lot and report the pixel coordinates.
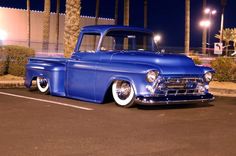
(43, 125)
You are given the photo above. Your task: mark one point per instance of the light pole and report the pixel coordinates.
(209, 12)
(206, 23)
(223, 4)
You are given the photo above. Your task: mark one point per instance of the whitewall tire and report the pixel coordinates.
(42, 84)
(123, 93)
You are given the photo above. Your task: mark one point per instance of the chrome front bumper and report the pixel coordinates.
(174, 100)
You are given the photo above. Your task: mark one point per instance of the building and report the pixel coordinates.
(13, 28)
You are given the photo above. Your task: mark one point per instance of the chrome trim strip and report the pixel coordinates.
(151, 102)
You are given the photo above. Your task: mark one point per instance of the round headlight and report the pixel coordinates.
(152, 75)
(208, 76)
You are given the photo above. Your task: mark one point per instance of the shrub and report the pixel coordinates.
(196, 60)
(223, 68)
(195, 57)
(3, 61)
(17, 57)
(233, 72)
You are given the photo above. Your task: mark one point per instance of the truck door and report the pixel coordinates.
(81, 69)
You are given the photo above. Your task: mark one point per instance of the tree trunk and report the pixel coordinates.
(97, 11)
(57, 25)
(126, 12)
(96, 21)
(72, 26)
(187, 26)
(145, 14)
(29, 23)
(126, 20)
(46, 24)
(145, 22)
(227, 48)
(234, 46)
(223, 4)
(116, 11)
(204, 33)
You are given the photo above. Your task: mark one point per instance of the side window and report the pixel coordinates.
(108, 43)
(111, 43)
(89, 42)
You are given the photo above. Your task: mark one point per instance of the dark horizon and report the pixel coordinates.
(163, 18)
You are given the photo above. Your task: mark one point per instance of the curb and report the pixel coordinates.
(223, 92)
(12, 84)
(214, 91)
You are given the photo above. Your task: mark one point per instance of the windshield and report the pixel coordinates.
(127, 41)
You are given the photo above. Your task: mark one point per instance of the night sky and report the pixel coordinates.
(164, 16)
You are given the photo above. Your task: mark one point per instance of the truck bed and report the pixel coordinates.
(53, 69)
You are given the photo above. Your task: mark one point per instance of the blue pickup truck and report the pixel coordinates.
(121, 62)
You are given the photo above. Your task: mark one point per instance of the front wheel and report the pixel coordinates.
(42, 84)
(123, 93)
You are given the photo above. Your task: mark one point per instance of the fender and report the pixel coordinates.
(53, 72)
(101, 98)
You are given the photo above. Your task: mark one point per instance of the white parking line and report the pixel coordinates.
(47, 101)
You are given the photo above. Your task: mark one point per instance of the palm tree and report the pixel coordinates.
(233, 37)
(97, 11)
(223, 4)
(145, 21)
(29, 24)
(72, 26)
(126, 19)
(116, 11)
(226, 37)
(187, 26)
(145, 14)
(126, 12)
(204, 33)
(46, 24)
(57, 24)
(96, 20)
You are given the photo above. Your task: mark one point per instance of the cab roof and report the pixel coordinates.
(105, 28)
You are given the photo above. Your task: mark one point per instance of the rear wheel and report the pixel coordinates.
(42, 84)
(123, 93)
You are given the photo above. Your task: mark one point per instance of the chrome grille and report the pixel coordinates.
(180, 86)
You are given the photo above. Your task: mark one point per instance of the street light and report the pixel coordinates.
(209, 11)
(213, 12)
(157, 39)
(3, 36)
(205, 23)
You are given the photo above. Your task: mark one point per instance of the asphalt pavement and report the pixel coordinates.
(32, 124)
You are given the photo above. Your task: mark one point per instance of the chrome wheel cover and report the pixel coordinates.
(123, 93)
(42, 84)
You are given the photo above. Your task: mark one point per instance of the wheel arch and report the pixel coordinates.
(34, 77)
(116, 78)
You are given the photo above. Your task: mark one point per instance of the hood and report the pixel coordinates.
(167, 64)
